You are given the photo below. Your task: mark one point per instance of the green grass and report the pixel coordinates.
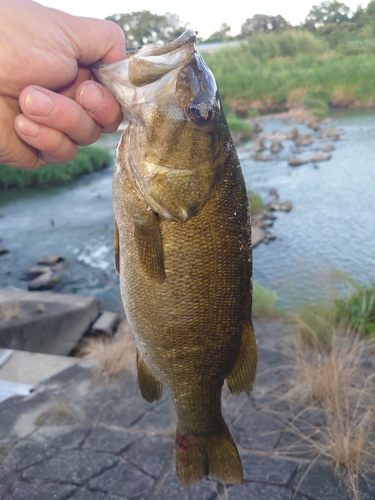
(354, 312)
(359, 310)
(264, 301)
(270, 68)
(256, 202)
(240, 126)
(88, 159)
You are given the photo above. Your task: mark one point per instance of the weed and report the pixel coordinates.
(10, 310)
(112, 356)
(330, 379)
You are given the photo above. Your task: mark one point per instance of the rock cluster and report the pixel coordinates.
(45, 275)
(260, 222)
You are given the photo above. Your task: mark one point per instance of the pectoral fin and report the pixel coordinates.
(150, 385)
(150, 250)
(117, 248)
(242, 376)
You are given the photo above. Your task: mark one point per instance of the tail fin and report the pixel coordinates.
(215, 455)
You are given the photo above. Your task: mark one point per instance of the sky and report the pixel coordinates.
(199, 14)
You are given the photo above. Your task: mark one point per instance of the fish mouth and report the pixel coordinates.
(147, 65)
(188, 37)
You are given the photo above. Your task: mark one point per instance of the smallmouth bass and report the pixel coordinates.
(183, 247)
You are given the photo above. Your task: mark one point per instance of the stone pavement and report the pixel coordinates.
(72, 439)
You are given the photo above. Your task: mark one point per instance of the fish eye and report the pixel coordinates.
(200, 111)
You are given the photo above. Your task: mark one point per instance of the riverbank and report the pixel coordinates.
(275, 72)
(88, 159)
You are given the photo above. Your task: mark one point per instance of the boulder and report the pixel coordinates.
(259, 145)
(327, 148)
(320, 157)
(260, 157)
(293, 134)
(45, 281)
(257, 127)
(296, 162)
(276, 146)
(283, 206)
(50, 260)
(304, 140)
(4, 251)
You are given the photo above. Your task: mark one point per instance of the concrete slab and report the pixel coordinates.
(45, 322)
(32, 368)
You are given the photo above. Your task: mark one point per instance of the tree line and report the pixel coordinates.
(332, 20)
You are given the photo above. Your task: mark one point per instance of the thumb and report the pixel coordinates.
(98, 39)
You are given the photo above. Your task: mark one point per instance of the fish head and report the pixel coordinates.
(176, 125)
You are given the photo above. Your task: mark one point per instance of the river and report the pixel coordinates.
(331, 226)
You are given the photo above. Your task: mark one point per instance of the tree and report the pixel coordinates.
(327, 13)
(262, 23)
(221, 35)
(143, 27)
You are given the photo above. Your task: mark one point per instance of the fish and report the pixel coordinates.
(182, 241)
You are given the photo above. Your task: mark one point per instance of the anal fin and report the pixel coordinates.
(150, 385)
(150, 250)
(242, 376)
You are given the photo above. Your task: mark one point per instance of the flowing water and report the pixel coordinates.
(331, 226)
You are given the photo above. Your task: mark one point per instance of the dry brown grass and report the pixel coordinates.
(111, 356)
(332, 381)
(10, 310)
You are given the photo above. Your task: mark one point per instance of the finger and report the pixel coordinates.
(60, 113)
(100, 105)
(53, 145)
(84, 74)
(13, 151)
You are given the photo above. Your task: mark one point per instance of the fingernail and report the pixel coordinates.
(38, 103)
(27, 127)
(91, 97)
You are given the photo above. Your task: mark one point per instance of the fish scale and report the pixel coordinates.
(183, 251)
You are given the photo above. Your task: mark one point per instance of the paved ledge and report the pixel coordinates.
(71, 439)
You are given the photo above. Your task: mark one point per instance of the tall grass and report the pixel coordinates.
(332, 383)
(269, 67)
(331, 380)
(88, 159)
(110, 355)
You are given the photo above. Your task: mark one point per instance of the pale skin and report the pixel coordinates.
(50, 102)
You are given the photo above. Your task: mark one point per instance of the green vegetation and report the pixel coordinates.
(240, 126)
(264, 301)
(356, 312)
(88, 159)
(256, 202)
(278, 66)
(278, 71)
(359, 310)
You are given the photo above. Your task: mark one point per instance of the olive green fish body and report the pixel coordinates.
(183, 252)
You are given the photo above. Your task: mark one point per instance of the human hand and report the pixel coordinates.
(49, 100)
